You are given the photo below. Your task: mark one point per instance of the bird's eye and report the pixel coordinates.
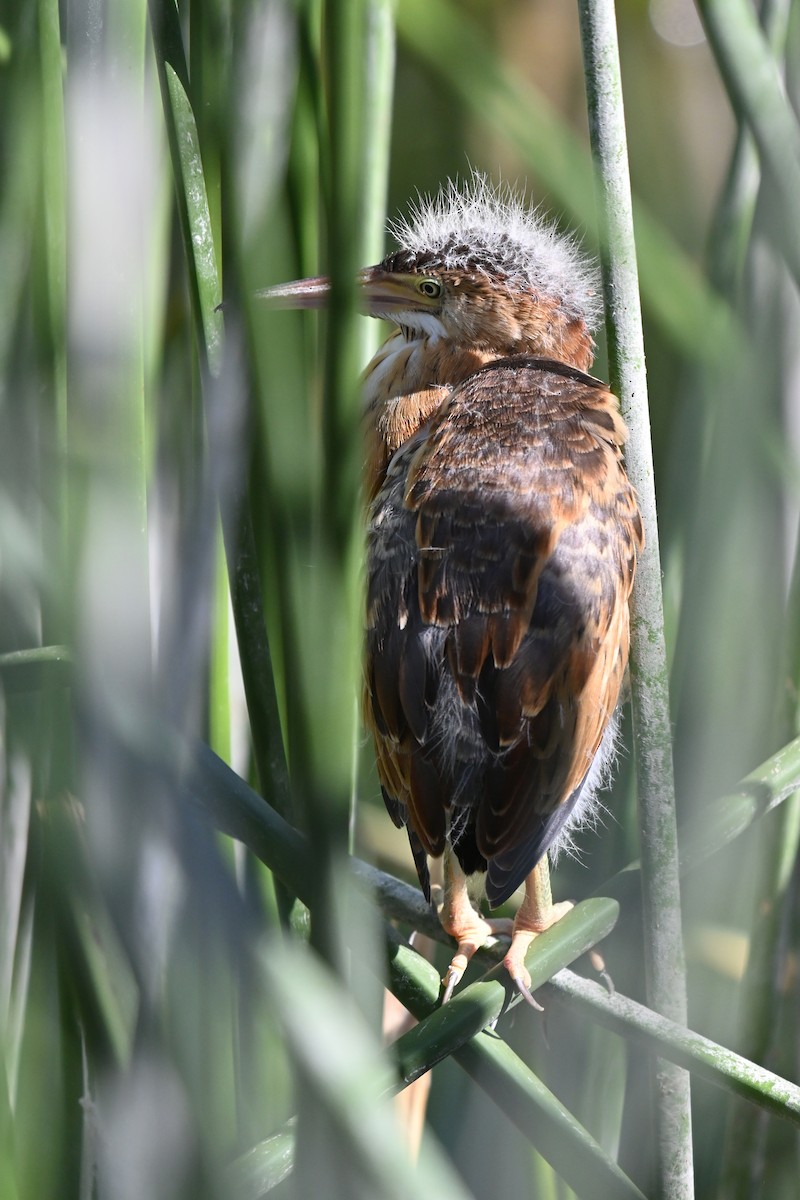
(430, 288)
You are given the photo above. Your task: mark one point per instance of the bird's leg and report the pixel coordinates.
(536, 913)
(461, 921)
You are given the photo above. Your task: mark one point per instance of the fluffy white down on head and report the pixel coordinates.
(477, 225)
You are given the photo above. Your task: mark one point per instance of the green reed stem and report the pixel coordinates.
(663, 939)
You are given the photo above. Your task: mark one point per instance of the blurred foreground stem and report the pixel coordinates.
(750, 73)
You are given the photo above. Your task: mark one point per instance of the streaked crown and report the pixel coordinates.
(478, 229)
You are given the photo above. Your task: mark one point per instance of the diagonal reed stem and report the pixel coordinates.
(237, 811)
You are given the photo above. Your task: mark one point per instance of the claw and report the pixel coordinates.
(526, 992)
(450, 982)
(598, 962)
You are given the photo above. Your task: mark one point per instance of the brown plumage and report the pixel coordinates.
(501, 553)
(501, 549)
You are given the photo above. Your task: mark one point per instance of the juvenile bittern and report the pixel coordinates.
(502, 542)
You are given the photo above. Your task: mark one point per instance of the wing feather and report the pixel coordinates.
(501, 553)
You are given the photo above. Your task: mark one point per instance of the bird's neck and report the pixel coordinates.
(412, 375)
(404, 384)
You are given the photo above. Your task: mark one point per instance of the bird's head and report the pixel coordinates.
(478, 269)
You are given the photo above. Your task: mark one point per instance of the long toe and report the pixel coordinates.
(514, 963)
(479, 932)
(527, 927)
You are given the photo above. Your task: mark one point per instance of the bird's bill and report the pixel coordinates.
(301, 293)
(381, 293)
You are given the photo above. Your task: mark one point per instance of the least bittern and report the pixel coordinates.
(501, 549)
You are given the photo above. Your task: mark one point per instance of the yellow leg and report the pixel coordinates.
(536, 913)
(461, 921)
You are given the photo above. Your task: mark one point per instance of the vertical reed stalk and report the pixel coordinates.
(664, 957)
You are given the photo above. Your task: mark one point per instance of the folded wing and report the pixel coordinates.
(501, 553)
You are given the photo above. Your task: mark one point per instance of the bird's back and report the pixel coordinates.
(501, 550)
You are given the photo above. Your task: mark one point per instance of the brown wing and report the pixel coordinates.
(502, 547)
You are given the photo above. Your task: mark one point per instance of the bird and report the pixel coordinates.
(502, 535)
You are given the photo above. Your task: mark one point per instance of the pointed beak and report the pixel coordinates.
(381, 293)
(302, 293)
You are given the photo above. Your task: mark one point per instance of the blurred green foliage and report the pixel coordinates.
(180, 566)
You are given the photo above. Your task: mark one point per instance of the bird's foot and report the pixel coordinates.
(599, 965)
(473, 934)
(514, 961)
